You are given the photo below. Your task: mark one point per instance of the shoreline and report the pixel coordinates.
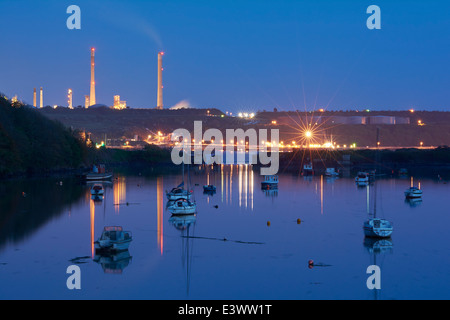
(158, 160)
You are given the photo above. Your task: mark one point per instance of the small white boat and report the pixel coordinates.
(378, 228)
(331, 172)
(270, 182)
(413, 193)
(98, 173)
(179, 193)
(113, 238)
(97, 190)
(362, 177)
(183, 206)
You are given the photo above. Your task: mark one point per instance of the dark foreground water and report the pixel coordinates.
(46, 225)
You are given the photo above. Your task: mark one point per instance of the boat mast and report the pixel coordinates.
(182, 170)
(377, 160)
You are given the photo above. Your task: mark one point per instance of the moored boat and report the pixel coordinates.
(209, 188)
(98, 173)
(270, 182)
(377, 228)
(374, 227)
(308, 169)
(331, 172)
(362, 178)
(413, 193)
(179, 193)
(114, 239)
(183, 206)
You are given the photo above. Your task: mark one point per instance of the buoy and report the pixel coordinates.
(299, 221)
(268, 223)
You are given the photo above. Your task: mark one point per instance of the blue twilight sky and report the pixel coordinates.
(234, 55)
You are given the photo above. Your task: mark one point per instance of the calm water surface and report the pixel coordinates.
(47, 225)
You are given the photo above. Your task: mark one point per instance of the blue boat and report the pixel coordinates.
(209, 188)
(270, 182)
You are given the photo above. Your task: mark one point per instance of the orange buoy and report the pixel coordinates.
(268, 223)
(299, 221)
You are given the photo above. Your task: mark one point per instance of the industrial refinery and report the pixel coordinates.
(90, 100)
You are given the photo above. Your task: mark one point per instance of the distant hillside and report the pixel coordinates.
(30, 142)
(396, 128)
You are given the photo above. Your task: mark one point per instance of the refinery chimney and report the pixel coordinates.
(159, 101)
(34, 97)
(92, 95)
(69, 98)
(41, 101)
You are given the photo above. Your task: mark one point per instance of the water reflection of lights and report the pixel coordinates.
(245, 178)
(245, 186)
(321, 194)
(120, 192)
(160, 211)
(92, 216)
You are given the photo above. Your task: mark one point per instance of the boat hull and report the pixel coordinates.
(269, 186)
(108, 246)
(176, 209)
(377, 228)
(183, 211)
(179, 194)
(98, 176)
(413, 194)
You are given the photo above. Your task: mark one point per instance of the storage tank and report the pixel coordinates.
(381, 120)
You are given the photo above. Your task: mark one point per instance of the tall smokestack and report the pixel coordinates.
(41, 101)
(92, 95)
(69, 98)
(159, 101)
(34, 97)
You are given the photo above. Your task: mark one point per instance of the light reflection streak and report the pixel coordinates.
(245, 181)
(321, 194)
(245, 184)
(160, 211)
(231, 183)
(221, 180)
(120, 192)
(240, 184)
(92, 216)
(251, 188)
